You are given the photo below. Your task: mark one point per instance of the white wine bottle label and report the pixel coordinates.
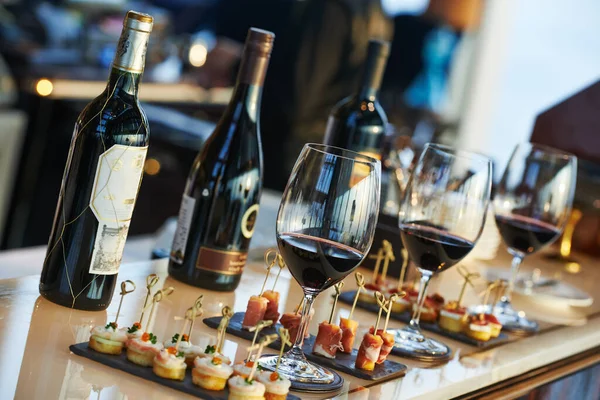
(186, 211)
(115, 190)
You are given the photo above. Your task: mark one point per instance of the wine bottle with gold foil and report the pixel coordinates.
(101, 182)
(220, 202)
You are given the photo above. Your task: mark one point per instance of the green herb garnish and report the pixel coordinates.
(152, 338)
(134, 328)
(111, 325)
(180, 354)
(248, 381)
(210, 349)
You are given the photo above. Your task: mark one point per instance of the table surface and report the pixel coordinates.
(35, 334)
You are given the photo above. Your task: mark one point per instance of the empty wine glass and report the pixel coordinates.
(532, 205)
(441, 218)
(325, 227)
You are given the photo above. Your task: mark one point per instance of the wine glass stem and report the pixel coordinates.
(514, 270)
(296, 351)
(414, 322)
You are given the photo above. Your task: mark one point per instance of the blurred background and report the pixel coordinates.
(470, 73)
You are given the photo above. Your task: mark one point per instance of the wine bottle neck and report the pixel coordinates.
(374, 68)
(130, 57)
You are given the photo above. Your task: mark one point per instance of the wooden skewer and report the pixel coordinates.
(157, 298)
(388, 256)
(403, 269)
(284, 336)
(299, 306)
(227, 314)
(486, 295)
(197, 313)
(467, 276)
(381, 302)
(151, 280)
(360, 282)
(338, 291)
(256, 329)
(281, 265)
(265, 341)
(124, 291)
(500, 288)
(378, 257)
(389, 309)
(189, 316)
(270, 264)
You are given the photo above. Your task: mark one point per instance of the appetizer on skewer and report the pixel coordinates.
(452, 314)
(211, 373)
(272, 312)
(329, 337)
(277, 387)
(244, 367)
(170, 363)
(402, 303)
(244, 388)
(477, 327)
(490, 318)
(387, 338)
(108, 339)
(257, 305)
(370, 347)
(348, 325)
(431, 307)
(142, 350)
(378, 282)
(291, 321)
(135, 330)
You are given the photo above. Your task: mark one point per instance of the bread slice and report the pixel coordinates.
(105, 346)
(177, 374)
(272, 396)
(242, 396)
(143, 358)
(208, 382)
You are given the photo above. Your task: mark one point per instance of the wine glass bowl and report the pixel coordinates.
(325, 228)
(532, 206)
(441, 218)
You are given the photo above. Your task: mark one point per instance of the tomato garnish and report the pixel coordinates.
(172, 350)
(217, 361)
(138, 325)
(249, 364)
(145, 336)
(274, 376)
(185, 338)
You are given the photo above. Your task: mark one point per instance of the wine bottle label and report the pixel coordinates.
(186, 211)
(249, 221)
(116, 185)
(221, 261)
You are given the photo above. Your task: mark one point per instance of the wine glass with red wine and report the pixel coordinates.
(532, 205)
(441, 218)
(325, 227)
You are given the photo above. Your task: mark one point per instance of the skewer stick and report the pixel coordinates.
(270, 264)
(360, 282)
(299, 306)
(227, 314)
(284, 336)
(264, 341)
(189, 316)
(157, 298)
(281, 265)
(388, 256)
(501, 286)
(151, 280)
(486, 296)
(389, 309)
(197, 313)
(124, 291)
(467, 281)
(403, 269)
(259, 327)
(378, 257)
(338, 290)
(381, 302)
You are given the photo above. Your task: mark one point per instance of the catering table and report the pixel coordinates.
(35, 362)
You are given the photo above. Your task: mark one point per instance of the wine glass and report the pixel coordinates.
(325, 227)
(441, 218)
(532, 205)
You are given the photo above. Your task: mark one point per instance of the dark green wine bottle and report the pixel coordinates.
(101, 182)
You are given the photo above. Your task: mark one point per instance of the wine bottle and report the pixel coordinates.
(100, 183)
(358, 122)
(220, 201)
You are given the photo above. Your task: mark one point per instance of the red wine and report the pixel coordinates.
(525, 235)
(359, 122)
(317, 263)
(220, 202)
(101, 182)
(433, 249)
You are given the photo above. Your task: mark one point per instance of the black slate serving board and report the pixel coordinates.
(342, 362)
(348, 298)
(121, 363)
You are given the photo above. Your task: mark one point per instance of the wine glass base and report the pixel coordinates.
(513, 320)
(304, 375)
(413, 344)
